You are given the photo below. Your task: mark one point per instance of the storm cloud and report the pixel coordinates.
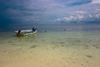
(49, 11)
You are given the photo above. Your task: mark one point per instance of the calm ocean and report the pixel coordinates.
(51, 46)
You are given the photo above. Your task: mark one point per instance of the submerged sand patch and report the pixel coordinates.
(67, 49)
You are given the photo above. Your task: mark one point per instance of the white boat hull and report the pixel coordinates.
(25, 32)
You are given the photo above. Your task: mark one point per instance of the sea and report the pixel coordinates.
(51, 46)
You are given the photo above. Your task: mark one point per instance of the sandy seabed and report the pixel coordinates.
(76, 50)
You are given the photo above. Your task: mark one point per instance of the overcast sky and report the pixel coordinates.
(49, 11)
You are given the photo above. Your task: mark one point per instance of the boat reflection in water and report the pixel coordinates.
(20, 38)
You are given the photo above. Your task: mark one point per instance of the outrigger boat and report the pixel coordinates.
(25, 32)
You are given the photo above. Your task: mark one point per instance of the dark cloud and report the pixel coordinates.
(47, 11)
(19, 12)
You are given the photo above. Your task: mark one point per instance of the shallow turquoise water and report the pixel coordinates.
(78, 45)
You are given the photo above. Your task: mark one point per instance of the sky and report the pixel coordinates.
(14, 12)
